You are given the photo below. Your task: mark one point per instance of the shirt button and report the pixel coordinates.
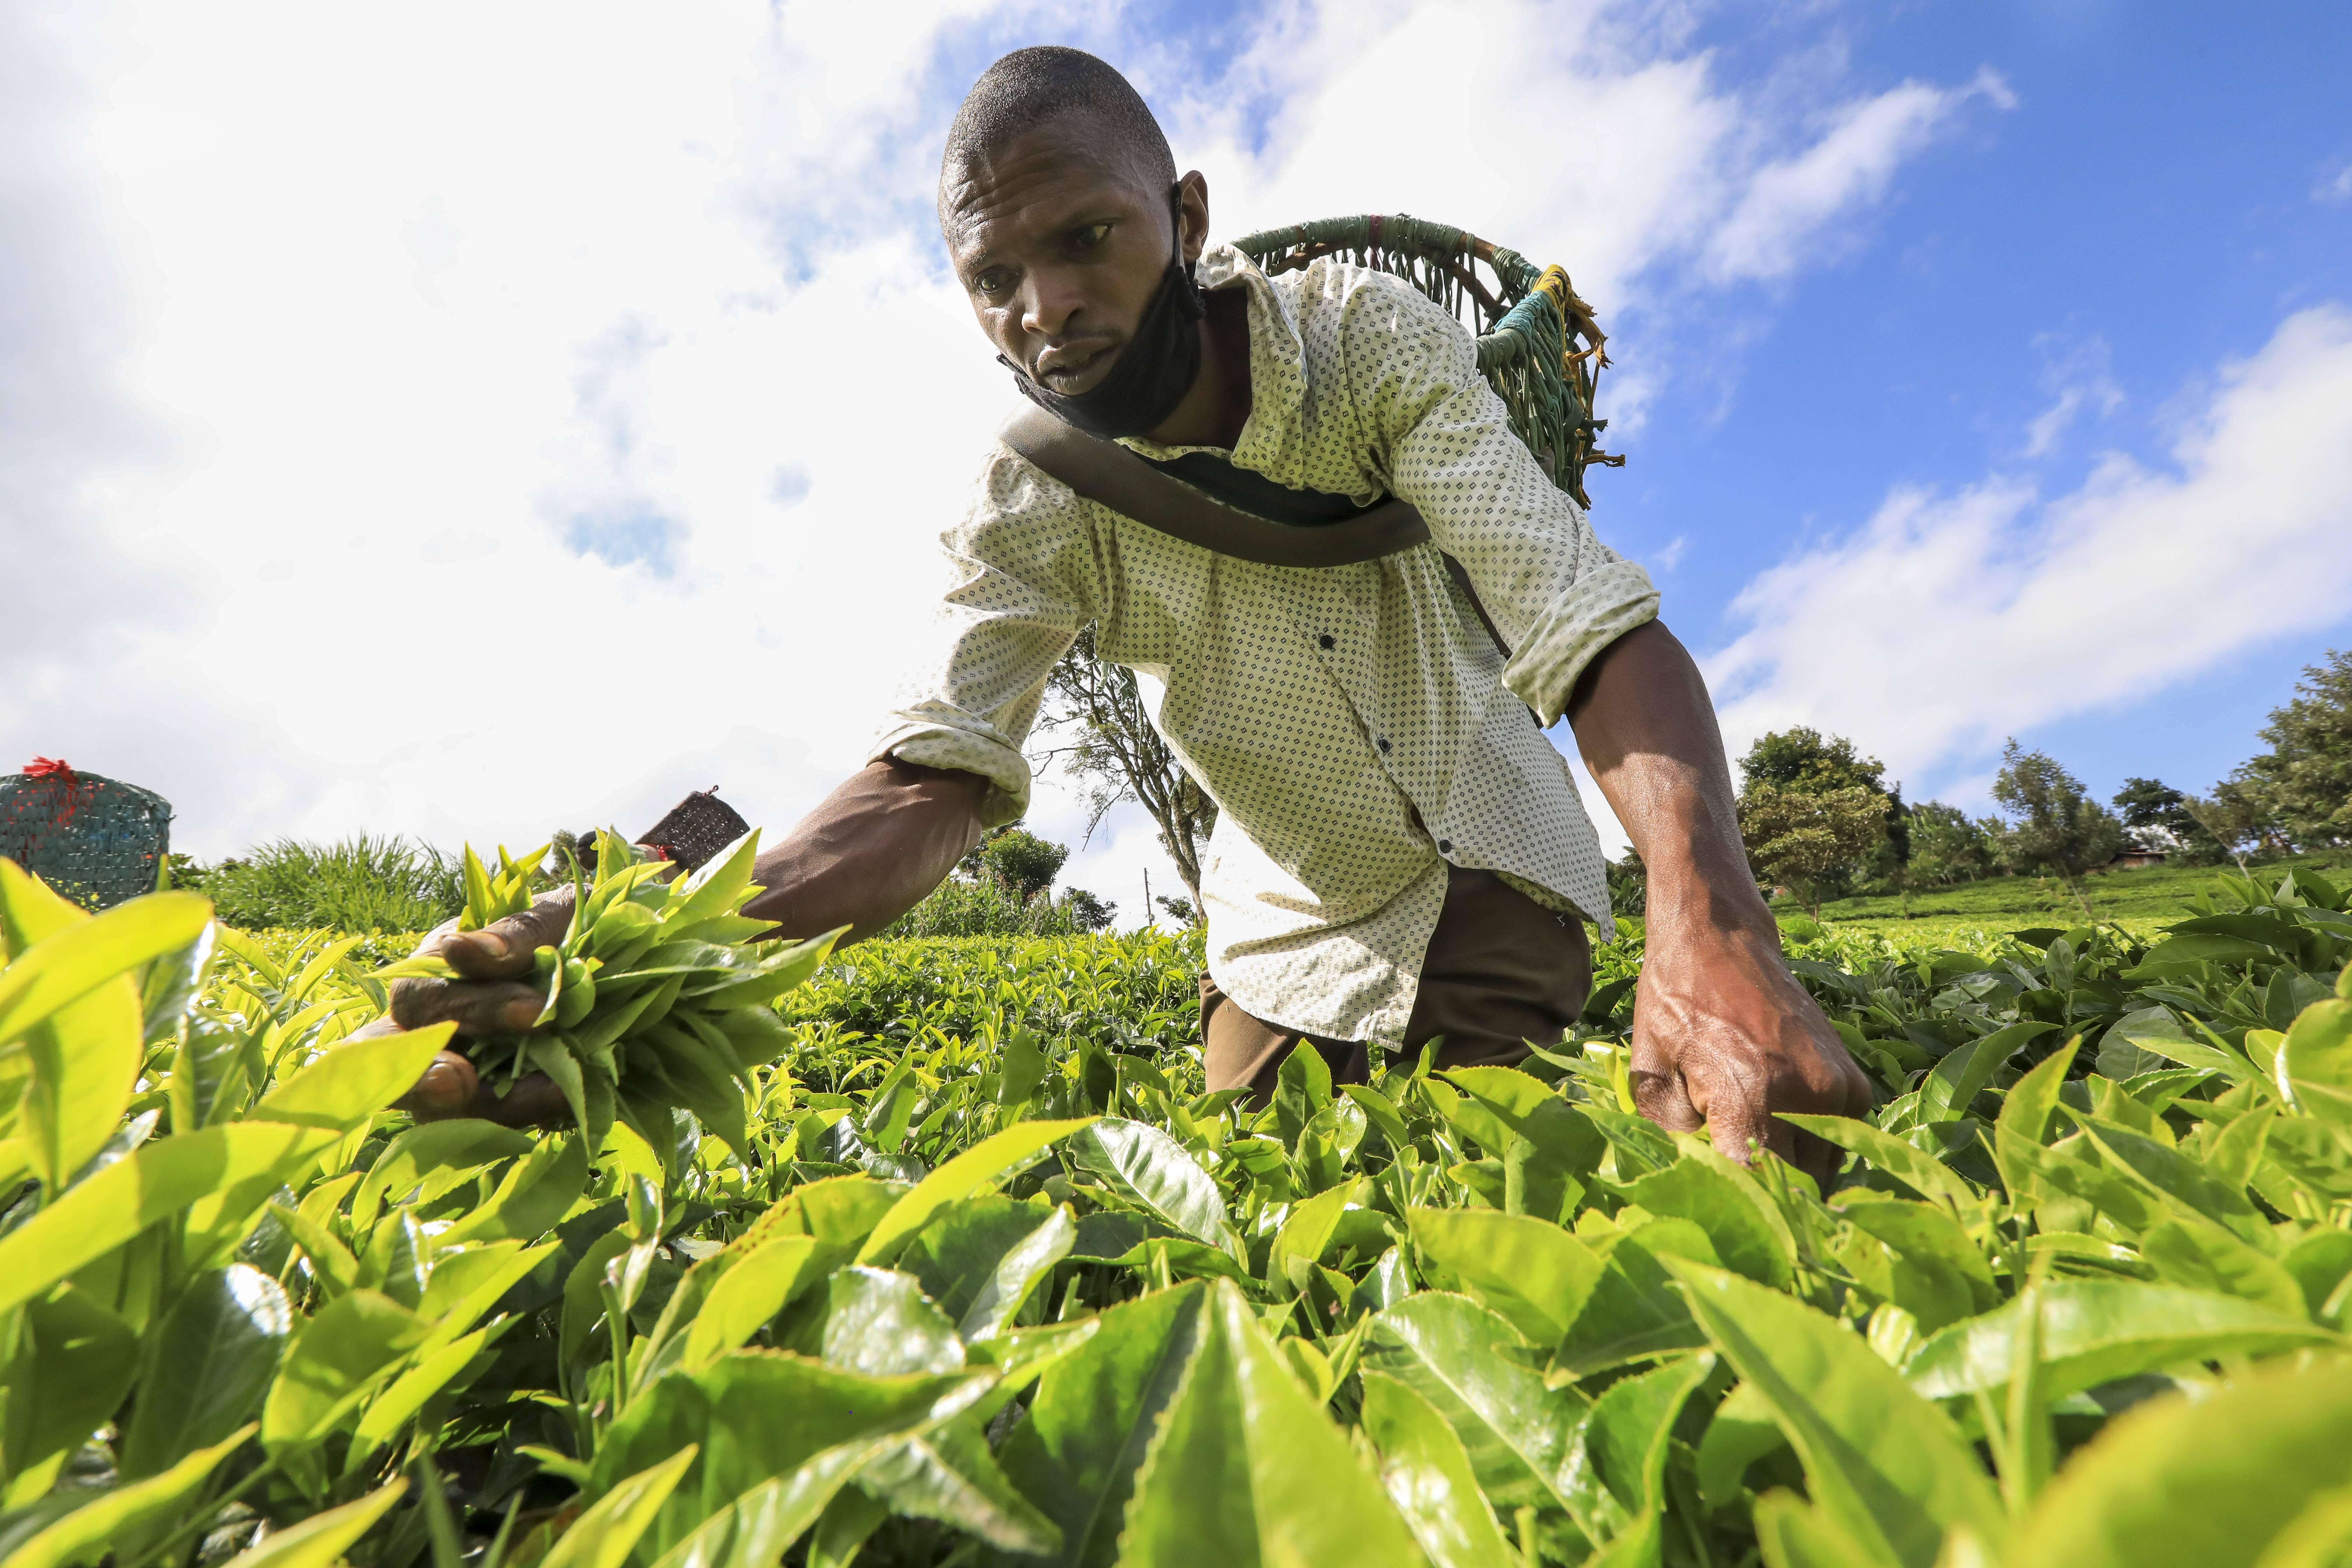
(1445, 847)
(1384, 744)
(1328, 640)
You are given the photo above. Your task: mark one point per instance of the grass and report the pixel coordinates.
(2140, 902)
(362, 884)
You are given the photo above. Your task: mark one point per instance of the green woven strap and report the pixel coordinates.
(1526, 344)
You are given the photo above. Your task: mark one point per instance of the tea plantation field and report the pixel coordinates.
(954, 1263)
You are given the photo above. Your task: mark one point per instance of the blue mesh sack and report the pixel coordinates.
(94, 840)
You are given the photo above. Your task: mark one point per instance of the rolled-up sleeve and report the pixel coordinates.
(1024, 577)
(1557, 595)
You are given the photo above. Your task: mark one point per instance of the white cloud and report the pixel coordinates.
(1949, 620)
(2335, 187)
(1790, 204)
(465, 420)
(2076, 374)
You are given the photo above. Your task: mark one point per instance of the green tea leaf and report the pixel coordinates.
(754, 1529)
(949, 1475)
(113, 1521)
(1937, 1274)
(2024, 1119)
(319, 1541)
(1535, 1274)
(605, 1535)
(2194, 1252)
(538, 1190)
(2096, 1331)
(74, 1362)
(1146, 1166)
(757, 1416)
(960, 1178)
(1631, 1425)
(1016, 1274)
(1793, 1534)
(348, 1083)
(1427, 1473)
(1882, 1463)
(163, 1176)
(2314, 1066)
(466, 1143)
(354, 1343)
(759, 1286)
(58, 958)
(1076, 1456)
(434, 1372)
(2214, 1482)
(1286, 1486)
(1521, 1436)
(212, 1358)
(1721, 1199)
(1921, 1172)
(880, 1323)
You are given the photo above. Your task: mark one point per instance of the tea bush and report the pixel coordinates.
(990, 1281)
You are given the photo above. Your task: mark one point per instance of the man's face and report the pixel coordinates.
(1060, 243)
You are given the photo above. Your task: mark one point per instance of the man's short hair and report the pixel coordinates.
(1029, 87)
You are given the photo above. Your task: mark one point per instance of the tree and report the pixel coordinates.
(1086, 911)
(2163, 818)
(2229, 820)
(1946, 847)
(2154, 811)
(2052, 826)
(2302, 784)
(1118, 755)
(1024, 864)
(1629, 884)
(1183, 910)
(1804, 838)
(1804, 759)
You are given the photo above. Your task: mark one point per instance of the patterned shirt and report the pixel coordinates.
(1355, 725)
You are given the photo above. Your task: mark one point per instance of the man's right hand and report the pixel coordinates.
(490, 998)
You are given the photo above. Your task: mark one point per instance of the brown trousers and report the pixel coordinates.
(1501, 970)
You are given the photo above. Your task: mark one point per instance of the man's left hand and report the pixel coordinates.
(1724, 1037)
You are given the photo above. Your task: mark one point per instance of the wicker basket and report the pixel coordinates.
(697, 828)
(93, 839)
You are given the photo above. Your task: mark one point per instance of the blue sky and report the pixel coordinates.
(2155, 202)
(471, 419)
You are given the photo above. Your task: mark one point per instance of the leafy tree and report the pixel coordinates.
(1629, 884)
(1178, 909)
(1024, 863)
(2302, 784)
(1118, 755)
(2165, 818)
(2154, 810)
(1804, 759)
(2052, 826)
(1086, 911)
(1946, 847)
(1806, 839)
(2229, 820)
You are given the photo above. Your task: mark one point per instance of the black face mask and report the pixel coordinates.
(1153, 372)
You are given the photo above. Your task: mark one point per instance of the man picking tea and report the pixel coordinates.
(1400, 855)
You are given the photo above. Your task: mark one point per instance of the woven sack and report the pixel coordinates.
(95, 840)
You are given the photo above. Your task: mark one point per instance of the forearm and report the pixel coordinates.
(870, 851)
(1648, 730)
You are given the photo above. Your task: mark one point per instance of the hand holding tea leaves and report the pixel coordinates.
(617, 998)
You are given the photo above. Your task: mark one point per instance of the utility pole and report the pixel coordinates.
(1149, 918)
